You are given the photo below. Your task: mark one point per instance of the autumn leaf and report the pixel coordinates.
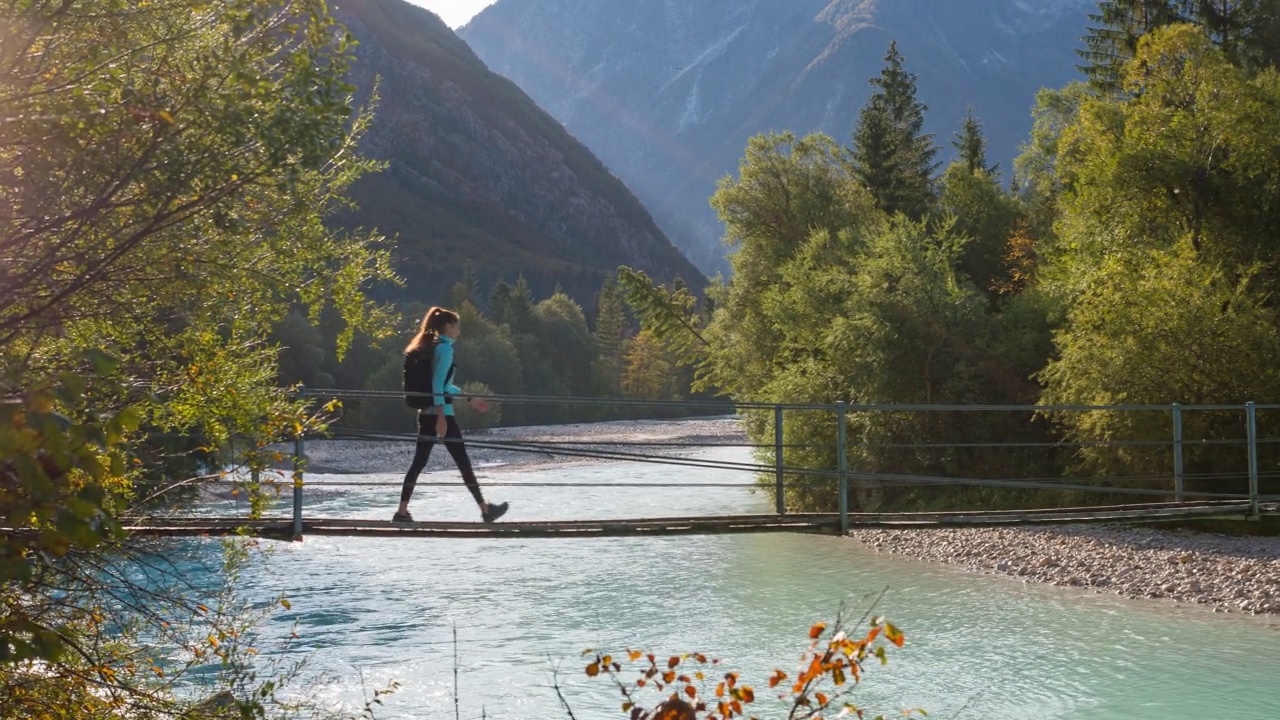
(815, 632)
(691, 691)
(778, 676)
(593, 669)
(822, 698)
(720, 690)
(673, 661)
(893, 634)
(748, 695)
(634, 655)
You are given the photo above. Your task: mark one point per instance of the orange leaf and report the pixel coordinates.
(894, 634)
(736, 706)
(731, 679)
(669, 676)
(593, 669)
(673, 661)
(748, 695)
(691, 691)
(816, 631)
(720, 690)
(634, 655)
(778, 676)
(822, 698)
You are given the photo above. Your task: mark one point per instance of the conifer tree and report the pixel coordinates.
(1112, 41)
(972, 146)
(611, 321)
(1248, 31)
(892, 155)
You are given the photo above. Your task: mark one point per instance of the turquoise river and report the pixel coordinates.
(370, 611)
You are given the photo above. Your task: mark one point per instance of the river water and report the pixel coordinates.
(370, 611)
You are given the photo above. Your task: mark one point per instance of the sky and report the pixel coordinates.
(455, 13)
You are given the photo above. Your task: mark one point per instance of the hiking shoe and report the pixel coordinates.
(495, 511)
(402, 517)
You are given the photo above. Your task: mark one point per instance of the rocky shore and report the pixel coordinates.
(1230, 574)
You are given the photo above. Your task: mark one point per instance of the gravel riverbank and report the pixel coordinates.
(1230, 574)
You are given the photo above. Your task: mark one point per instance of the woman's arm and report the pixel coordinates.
(440, 375)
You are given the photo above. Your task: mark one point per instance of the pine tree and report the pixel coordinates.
(500, 302)
(972, 146)
(1248, 31)
(610, 336)
(467, 289)
(1112, 43)
(892, 155)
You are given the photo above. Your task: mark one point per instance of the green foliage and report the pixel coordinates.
(891, 154)
(647, 374)
(1157, 328)
(986, 217)
(1247, 31)
(166, 179)
(610, 337)
(971, 146)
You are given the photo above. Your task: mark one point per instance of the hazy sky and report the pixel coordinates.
(455, 13)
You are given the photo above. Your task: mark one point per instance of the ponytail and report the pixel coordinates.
(436, 319)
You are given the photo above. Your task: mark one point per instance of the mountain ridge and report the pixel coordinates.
(478, 177)
(666, 93)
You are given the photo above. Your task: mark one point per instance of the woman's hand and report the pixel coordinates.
(479, 404)
(442, 425)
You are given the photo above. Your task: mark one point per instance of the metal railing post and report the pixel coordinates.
(299, 460)
(1251, 412)
(842, 464)
(1177, 453)
(779, 502)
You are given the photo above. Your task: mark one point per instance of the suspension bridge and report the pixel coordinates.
(1227, 494)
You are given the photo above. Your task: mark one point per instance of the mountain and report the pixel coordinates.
(478, 176)
(667, 92)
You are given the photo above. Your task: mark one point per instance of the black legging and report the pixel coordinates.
(426, 441)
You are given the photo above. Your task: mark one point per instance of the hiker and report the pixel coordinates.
(428, 384)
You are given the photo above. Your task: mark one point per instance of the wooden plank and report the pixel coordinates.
(725, 524)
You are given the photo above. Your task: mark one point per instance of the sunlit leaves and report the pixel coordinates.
(830, 659)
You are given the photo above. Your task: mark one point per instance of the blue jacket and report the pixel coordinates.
(442, 369)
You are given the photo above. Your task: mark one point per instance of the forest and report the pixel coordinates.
(1131, 260)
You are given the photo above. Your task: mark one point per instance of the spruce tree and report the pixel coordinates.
(1248, 31)
(891, 154)
(971, 146)
(610, 336)
(1113, 40)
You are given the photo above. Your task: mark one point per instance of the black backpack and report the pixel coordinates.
(417, 376)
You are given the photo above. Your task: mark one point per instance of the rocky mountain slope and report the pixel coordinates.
(479, 175)
(666, 92)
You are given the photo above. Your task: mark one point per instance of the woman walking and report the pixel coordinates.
(428, 384)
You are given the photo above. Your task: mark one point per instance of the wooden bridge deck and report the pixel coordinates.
(822, 523)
